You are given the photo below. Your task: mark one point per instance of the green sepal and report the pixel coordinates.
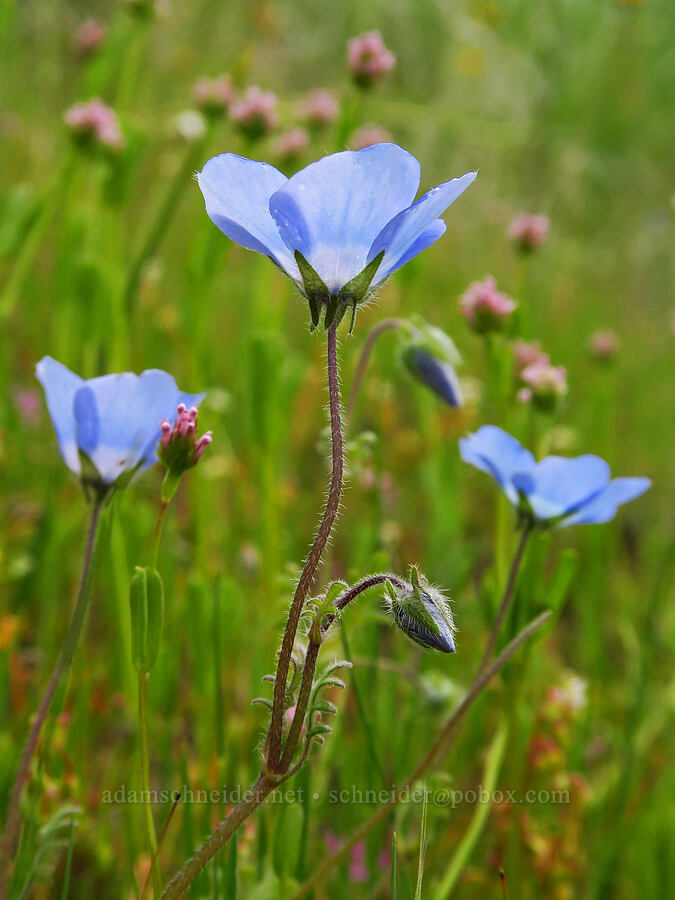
(146, 598)
(356, 289)
(314, 286)
(413, 606)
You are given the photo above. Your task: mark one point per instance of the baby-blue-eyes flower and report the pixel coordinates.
(338, 227)
(554, 491)
(109, 426)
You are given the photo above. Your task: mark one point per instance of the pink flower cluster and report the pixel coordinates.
(485, 308)
(184, 432)
(603, 345)
(319, 108)
(90, 36)
(529, 231)
(369, 59)
(214, 96)
(546, 383)
(95, 122)
(291, 144)
(255, 113)
(367, 135)
(525, 354)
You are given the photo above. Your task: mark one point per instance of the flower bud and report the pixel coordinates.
(422, 613)
(524, 354)
(367, 135)
(604, 345)
(319, 108)
(435, 373)
(89, 37)
(146, 597)
(290, 145)
(369, 59)
(485, 308)
(179, 447)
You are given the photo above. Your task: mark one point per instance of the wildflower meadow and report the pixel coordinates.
(336, 494)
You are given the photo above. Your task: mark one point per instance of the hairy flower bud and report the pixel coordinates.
(422, 613)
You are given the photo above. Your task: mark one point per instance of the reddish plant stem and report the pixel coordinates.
(314, 557)
(368, 344)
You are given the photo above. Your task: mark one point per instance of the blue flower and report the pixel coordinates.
(112, 421)
(556, 490)
(338, 227)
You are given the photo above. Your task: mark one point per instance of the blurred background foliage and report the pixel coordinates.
(565, 107)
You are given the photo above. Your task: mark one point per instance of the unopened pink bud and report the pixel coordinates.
(202, 444)
(485, 308)
(603, 345)
(290, 145)
(94, 122)
(548, 383)
(369, 59)
(214, 96)
(524, 354)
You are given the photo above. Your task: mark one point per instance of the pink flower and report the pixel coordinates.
(29, 404)
(603, 345)
(368, 135)
(90, 36)
(288, 718)
(485, 308)
(548, 383)
(94, 122)
(255, 113)
(528, 231)
(291, 144)
(319, 108)
(333, 842)
(358, 870)
(214, 96)
(524, 354)
(179, 447)
(369, 59)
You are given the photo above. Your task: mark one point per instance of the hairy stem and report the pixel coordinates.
(440, 744)
(357, 589)
(252, 800)
(63, 664)
(315, 554)
(368, 344)
(507, 597)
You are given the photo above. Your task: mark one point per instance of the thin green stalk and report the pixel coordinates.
(366, 351)
(466, 846)
(507, 596)
(157, 532)
(65, 659)
(150, 835)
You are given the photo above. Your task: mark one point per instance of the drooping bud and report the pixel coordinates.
(255, 114)
(369, 59)
(528, 231)
(179, 447)
(146, 598)
(422, 613)
(485, 308)
(435, 373)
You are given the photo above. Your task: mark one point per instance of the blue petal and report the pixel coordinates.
(558, 485)
(129, 408)
(333, 209)
(603, 507)
(60, 386)
(494, 451)
(87, 425)
(399, 236)
(237, 192)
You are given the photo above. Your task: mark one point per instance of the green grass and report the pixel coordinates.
(566, 109)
